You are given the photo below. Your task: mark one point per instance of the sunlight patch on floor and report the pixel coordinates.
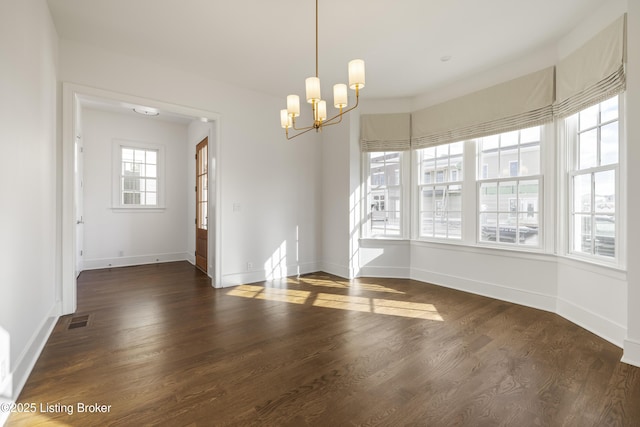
(378, 306)
(340, 302)
(346, 285)
(324, 283)
(376, 288)
(271, 294)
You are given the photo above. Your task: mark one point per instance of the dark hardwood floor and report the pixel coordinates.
(161, 347)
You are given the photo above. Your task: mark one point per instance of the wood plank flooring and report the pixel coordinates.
(162, 347)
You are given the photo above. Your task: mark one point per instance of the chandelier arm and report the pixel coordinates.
(313, 126)
(331, 121)
(305, 128)
(297, 134)
(342, 113)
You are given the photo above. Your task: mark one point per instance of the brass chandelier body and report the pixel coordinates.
(318, 105)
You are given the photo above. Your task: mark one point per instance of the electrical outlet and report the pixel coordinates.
(249, 266)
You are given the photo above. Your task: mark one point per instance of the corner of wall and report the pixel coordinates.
(27, 360)
(631, 353)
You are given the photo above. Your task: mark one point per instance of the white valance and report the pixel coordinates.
(385, 132)
(594, 72)
(517, 104)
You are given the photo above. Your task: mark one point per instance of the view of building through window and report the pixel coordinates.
(440, 191)
(509, 187)
(384, 193)
(595, 146)
(139, 177)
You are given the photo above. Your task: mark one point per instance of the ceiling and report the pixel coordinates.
(269, 46)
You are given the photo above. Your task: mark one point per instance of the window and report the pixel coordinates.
(594, 140)
(509, 188)
(440, 206)
(137, 175)
(384, 193)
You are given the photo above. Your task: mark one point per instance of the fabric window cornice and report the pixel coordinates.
(517, 104)
(593, 72)
(385, 132)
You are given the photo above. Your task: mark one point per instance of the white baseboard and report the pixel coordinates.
(335, 269)
(191, 258)
(18, 376)
(631, 353)
(93, 264)
(386, 272)
(253, 276)
(504, 293)
(592, 322)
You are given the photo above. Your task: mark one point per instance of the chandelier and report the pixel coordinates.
(318, 105)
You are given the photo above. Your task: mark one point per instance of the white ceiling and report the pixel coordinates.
(269, 46)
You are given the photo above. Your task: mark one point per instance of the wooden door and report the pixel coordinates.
(79, 204)
(202, 204)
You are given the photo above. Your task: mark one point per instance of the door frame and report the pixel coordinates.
(72, 97)
(198, 230)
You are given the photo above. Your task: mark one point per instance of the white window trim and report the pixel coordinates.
(545, 192)
(568, 151)
(405, 202)
(116, 161)
(541, 213)
(416, 187)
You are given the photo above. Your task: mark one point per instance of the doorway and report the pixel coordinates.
(202, 203)
(74, 97)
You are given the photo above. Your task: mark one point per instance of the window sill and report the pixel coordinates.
(536, 253)
(390, 240)
(137, 209)
(594, 265)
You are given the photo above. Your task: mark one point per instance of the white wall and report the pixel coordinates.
(335, 200)
(117, 237)
(269, 187)
(632, 343)
(28, 222)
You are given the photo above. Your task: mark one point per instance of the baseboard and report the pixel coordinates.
(335, 269)
(94, 264)
(386, 272)
(191, 258)
(504, 293)
(592, 322)
(18, 376)
(253, 276)
(631, 353)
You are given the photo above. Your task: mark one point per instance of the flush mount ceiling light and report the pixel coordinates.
(146, 111)
(318, 105)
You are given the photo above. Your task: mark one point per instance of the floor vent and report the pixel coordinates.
(79, 322)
